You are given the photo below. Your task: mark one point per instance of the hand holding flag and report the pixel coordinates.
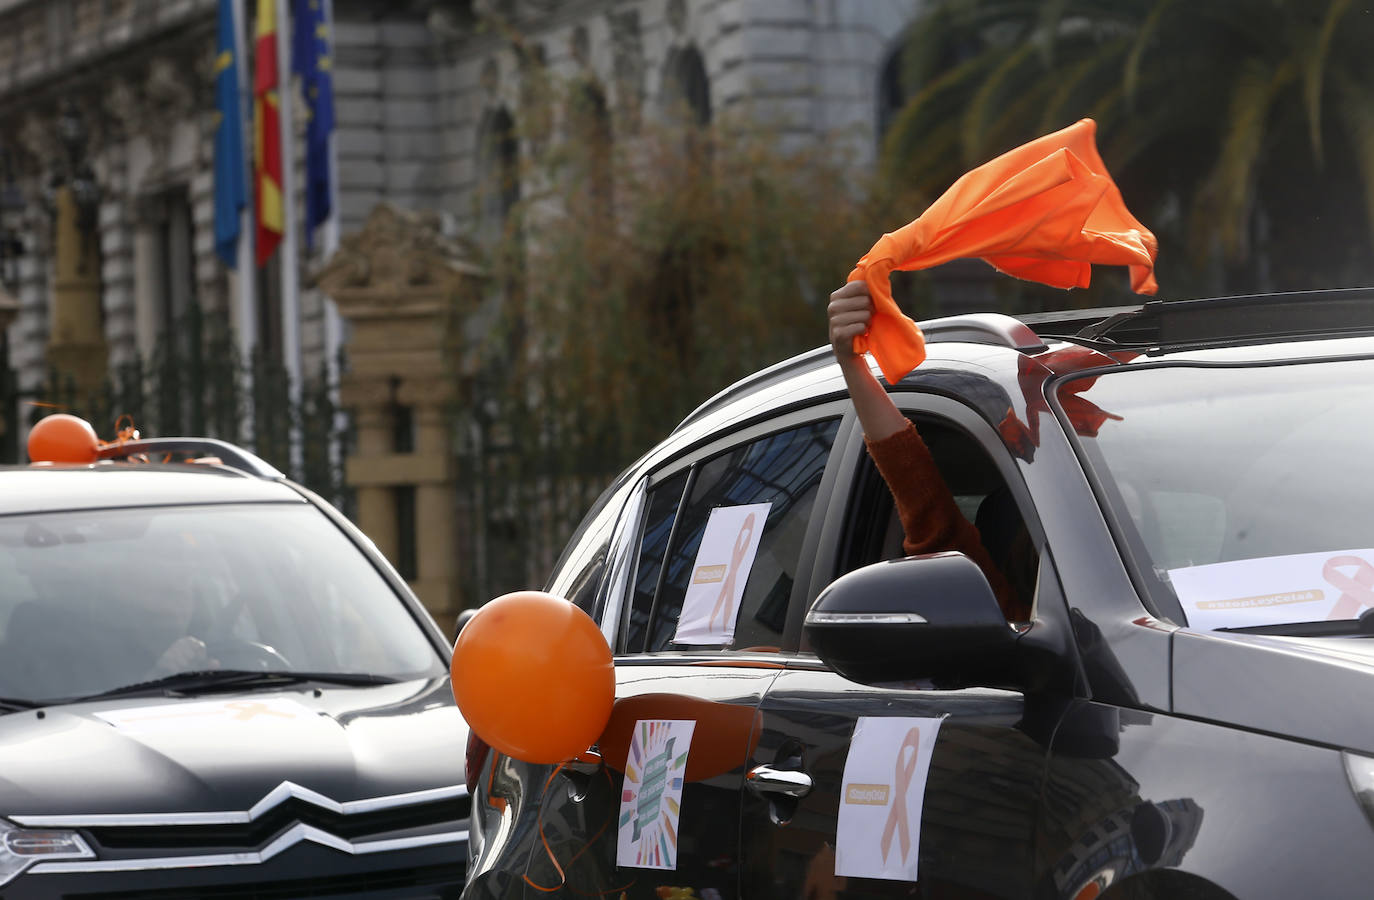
(1045, 211)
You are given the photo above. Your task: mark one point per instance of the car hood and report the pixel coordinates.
(1310, 689)
(227, 752)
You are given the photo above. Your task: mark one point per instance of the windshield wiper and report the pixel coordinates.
(15, 704)
(1333, 628)
(206, 681)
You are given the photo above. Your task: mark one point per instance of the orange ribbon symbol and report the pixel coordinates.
(896, 816)
(1357, 592)
(725, 603)
(249, 709)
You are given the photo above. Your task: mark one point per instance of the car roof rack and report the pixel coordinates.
(996, 329)
(192, 448)
(975, 328)
(1233, 319)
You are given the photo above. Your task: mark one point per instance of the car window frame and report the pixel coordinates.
(617, 606)
(912, 402)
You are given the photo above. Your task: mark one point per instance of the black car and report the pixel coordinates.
(1181, 716)
(213, 685)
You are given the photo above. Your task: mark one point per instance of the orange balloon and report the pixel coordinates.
(533, 677)
(63, 438)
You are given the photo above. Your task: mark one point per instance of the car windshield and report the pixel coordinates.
(1245, 490)
(94, 601)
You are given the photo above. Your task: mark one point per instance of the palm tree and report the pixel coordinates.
(1241, 131)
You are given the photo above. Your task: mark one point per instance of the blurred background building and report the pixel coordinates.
(115, 301)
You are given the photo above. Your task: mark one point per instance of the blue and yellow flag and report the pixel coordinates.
(231, 191)
(311, 60)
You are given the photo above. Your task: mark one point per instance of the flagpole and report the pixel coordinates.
(289, 256)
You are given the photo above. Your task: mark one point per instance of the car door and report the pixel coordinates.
(974, 835)
(603, 835)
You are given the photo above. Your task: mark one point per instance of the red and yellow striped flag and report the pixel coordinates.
(267, 172)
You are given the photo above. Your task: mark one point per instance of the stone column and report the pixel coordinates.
(402, 287)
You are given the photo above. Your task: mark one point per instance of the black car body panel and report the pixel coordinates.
(1114, 752)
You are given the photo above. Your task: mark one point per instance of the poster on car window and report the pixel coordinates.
(719, 574)
(882, 796)
(651, 800)
(1276, 590)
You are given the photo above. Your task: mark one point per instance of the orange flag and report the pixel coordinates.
(267, 173)
(1045, 211)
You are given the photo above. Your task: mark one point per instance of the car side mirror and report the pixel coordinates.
(464, 616)
(923, 617)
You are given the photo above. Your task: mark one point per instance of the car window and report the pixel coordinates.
(102, 594)
(661, 509)
(771, 481)
(873, 531)
(1239, 491)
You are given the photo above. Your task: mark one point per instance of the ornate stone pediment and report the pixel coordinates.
(399, 263)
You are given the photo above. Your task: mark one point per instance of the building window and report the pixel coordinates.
(172, 267)
(686, 89)
(498, 168)
(892, 94)
(589, 135)
(407, 549)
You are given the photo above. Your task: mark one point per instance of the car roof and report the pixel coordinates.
(1245, 328)
(105, 485)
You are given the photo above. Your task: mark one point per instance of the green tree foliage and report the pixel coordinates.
(631, 299)
(639, 273)
(1241, 131)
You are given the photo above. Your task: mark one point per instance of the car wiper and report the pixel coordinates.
(1334, 628)
(209, 680)
(15, 704)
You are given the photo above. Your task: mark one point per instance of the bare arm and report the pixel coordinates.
(850, 311)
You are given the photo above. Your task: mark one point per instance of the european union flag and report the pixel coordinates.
(310, 59)
(231, 191)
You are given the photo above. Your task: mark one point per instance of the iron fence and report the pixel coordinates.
(197, 382)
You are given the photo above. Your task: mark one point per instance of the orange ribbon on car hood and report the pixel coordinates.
(1045, 211)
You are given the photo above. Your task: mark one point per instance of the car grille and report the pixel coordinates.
(355, 827)
(286, 817)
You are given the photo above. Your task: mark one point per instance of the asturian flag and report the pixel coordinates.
(267, 173)
(231, 193)
(311, 60)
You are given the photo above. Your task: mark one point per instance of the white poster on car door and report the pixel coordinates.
(1276, 590)
(719, 574)
(882, 795)
(651, 800)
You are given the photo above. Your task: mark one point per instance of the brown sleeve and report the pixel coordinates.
(930, 519)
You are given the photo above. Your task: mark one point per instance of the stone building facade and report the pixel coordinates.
(107, 112)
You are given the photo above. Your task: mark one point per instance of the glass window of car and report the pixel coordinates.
(873, 531)
(1221, 464)
(265, 586)
(783, 469)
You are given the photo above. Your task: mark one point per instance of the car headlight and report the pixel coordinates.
(22, 847)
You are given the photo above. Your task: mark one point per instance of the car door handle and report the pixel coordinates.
(764, 780)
